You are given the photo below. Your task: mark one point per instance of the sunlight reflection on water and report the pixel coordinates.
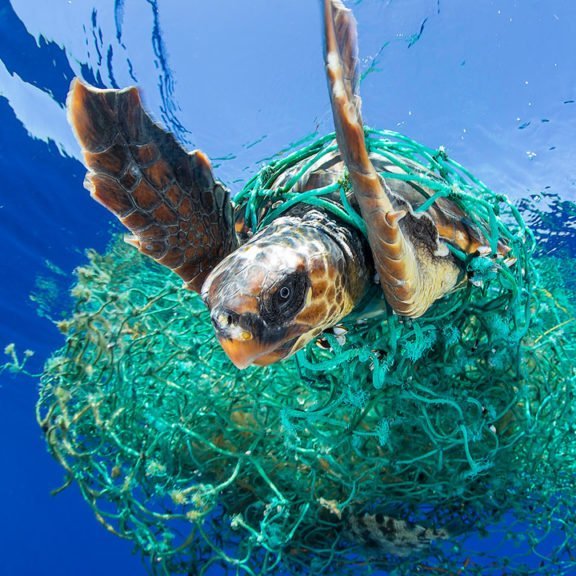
(243, 85)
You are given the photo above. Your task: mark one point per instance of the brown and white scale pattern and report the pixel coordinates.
(328, 257)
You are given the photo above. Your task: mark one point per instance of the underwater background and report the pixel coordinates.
(494, 82)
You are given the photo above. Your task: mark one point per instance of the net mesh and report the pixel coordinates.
(457, 426)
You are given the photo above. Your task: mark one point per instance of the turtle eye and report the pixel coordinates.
(284, 293)
(286, 299)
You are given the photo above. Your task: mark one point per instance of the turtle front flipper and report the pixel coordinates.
(168, 198)
(404, 248)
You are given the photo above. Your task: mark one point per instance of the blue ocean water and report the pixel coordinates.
(492, 81)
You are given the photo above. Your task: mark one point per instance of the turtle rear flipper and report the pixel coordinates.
(168, 198)
(411, 274)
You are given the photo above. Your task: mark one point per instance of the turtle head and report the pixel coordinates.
(277, 292)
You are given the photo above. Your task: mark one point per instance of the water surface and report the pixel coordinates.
(493, 81)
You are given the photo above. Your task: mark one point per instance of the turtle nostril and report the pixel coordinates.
(223, 320)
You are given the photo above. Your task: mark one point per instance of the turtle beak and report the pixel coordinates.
(242, 353)
(246, 340)
(237, 339)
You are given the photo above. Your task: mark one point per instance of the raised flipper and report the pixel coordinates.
(404, 247)
(168, 198)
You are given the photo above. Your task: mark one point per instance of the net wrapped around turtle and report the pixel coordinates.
(456, 426)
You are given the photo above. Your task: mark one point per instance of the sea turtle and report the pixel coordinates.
(273, 292)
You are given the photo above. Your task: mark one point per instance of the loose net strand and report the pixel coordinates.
(460, 422)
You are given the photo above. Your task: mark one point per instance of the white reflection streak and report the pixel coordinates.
(42, 117)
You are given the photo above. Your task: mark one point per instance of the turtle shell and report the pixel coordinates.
(317, 176)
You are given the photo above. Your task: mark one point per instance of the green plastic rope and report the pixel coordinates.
(462, 420)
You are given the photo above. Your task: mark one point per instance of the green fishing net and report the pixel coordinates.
(398, 445)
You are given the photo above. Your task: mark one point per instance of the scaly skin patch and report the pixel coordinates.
(325, 275)
(411, 278)
(168, 198)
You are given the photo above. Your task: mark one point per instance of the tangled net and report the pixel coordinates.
(460, 423)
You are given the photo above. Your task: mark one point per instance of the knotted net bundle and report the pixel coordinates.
(399, 445)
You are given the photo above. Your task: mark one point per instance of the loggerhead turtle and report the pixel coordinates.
(270, 294)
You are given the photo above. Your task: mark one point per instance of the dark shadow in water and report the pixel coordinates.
(43, 210)
(43, 64)
(169, 107)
